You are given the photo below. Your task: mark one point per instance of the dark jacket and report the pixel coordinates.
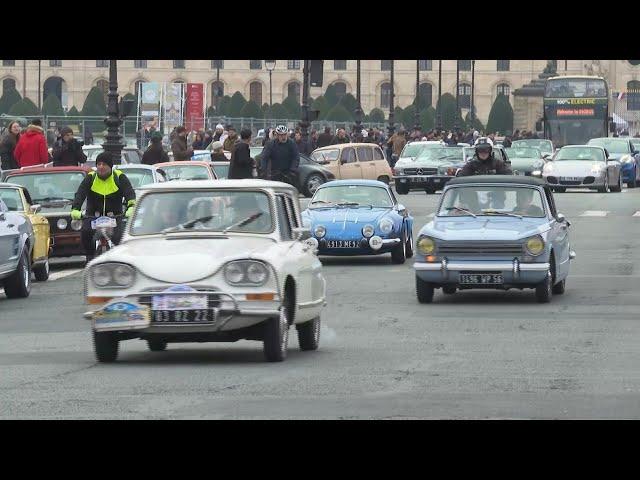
(304, 147)
(31, 149)
(180, 150)
(219, 157)
(68, 154)
(104, 196)
(241, 165)
(7, 146)
(324, 139)
(230, 143)
(492, 166)
(336, 140)
(280, 157)
(154, 154)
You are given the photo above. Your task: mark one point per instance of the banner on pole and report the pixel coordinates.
(173, 99)
(195, 104)
(150, 102)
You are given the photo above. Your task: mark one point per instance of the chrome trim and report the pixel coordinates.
(391, 241)
(316, 303)
(423, 266)
(444, 266)
(572, 255)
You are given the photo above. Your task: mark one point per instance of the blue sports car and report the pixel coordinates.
(359, 217)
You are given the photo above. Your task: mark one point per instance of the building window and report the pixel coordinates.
(464, 65)
(55, 63)
(385, 95)
(293, 64)
(255, 64)
(426, 95)
(255, 92)
(425, 65)
(293, 91)
(503, 89)
(633, 95)
(503, 65)
(8, 63)
(464, 95)
(339, 64)
(385, 65)
(102, 63)
(139, 64)
(178, 64)
(8, 84)
(217, 64)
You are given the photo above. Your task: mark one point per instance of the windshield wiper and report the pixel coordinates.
(496, 212)
(461, 210)
(190, 224)
(244, 222)
(320, 201)
(52, 199)
(348, 204)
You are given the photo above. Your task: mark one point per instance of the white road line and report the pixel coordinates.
(64, 273)
(594, 213)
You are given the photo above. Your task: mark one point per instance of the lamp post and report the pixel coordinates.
(39, 92)
(438, 106)
(417, 104)
(24, 79)
(473, 78)
(270, 65)
(455, 118)
(304, 124)
(391, 107)
(217, 92)
(113, 143)
(358, 112)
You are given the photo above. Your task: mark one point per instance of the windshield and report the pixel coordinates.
(613, 145)
(443, 154)
(202, 210)
(326, 155)
(580, 153)
(12, 199)
(222, 171)
(138, 177)
(492, 200)
(352, 194)
(575, 88)
(50, 187)
(187, 172)
(574, 132)
(545, 146)
(524, 153)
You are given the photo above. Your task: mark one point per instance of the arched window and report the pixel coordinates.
(255, 92)
(385, 95)
(293, 90)
(217, 92)
(503, 88)
(633, 95)
(103, 85)
(341, 89)
(8, 84)
(464, 95)
(56, 86)
(426, 94)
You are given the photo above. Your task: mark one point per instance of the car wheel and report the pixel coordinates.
(449, 290)
(429, 190)
(604, 189)
(312, 183)
(18, 285)
(105, 346)
(558, 288)
(276, 337)
(633, 182)
(424, 291)
(309, 334)
(544, 289)
(42, 272)
(409, 248)
(618, 188)
(402, 189)
(559, 189)
(157, 345)
(399, 252)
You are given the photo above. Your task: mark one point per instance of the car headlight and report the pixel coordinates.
(257, 273)
(535, 245)
(385, 225)
(62, 223)
(234, 273)
(123, 275)
(246, 272)
(320, 231)
(367, 231)
(101, 275)
(76, 225)
(397, 171)
(426, 245)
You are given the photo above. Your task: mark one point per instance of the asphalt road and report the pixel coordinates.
(476, 354)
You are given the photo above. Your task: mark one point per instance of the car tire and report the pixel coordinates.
(402, 189)
(633, 183)
(105, 346)
(312, 182)
(544, 290)
(18, 284)
(276, 336)
(448, 290)
(41, 272)
(604, 189)
(558, 288)
(429, 190)
(309, 334)
(157, 345)
(409, 248)
(559, 189)
(424, 291)
(399, 252)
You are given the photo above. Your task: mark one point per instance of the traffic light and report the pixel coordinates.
(315, 72)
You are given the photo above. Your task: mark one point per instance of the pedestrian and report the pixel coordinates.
(396, 143)
(218, 133)
(208, 138)
(179, 145)
(8, 144)
(484, 161)
(280, 158)
(229, 143)
(242, 165)
(313, 140)
(155, 153)
(341, 137)
(303, 147)
(31, 148)
(267, 136)
(325, 138)
(507, 142)
(198, 142)
(217, 153)
(88, 135)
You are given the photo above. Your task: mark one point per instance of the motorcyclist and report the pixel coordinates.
(484, 161)
(280, 158)
(105, 189)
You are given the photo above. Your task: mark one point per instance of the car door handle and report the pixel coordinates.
(358, 165)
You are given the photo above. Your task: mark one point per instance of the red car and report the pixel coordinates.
(53, 188)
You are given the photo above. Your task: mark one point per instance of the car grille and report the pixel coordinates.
(479, 248)
(420, 171)
(570, 182)
(552, 180)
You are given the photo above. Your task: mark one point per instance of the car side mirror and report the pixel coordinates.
(402, 210)
(562, 219)
(301, 233)
(35, 208)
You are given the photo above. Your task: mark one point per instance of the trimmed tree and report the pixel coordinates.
(331, 96)
(447, 107)
(320, 104)
(339, 114)
(428, 118)
(73, 112)
(409, 117)
(278, 112)
(293, 107)
(52, 107)
(9, 98)
(376, 116)
(398, 116)
(236, 104)
(251, 110)
(94, 106)
(500, 116)
(349, 102)
(24, 108)
(223, 106)
(476, 124)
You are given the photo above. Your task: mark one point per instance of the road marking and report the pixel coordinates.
(594, 213)
(637, 214)
(64, 273)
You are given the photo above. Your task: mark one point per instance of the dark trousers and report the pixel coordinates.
(88, 234)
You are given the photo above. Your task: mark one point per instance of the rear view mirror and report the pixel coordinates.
(35, 208)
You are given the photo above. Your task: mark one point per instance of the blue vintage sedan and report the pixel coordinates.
(496, 232)
(359, 217)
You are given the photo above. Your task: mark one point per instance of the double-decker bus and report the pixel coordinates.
(576, 109)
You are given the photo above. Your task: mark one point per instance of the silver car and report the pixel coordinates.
(16, 244)
(583, 166)
(142, 174)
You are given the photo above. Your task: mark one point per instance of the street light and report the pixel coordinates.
(417, 114)
(358, 111)
(270, 65)
(473, 78)
(113, 139)
(455, 121)
(438, 106)
(391, 113)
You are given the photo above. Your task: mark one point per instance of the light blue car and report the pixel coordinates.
(494, 232)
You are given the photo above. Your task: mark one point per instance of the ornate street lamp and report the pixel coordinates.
(358, 112)
(473, 78)
(304, 124)
(438, 105)
(270, 65)
(113, 139)
(391, 107)
(455, 118)
(417, 104)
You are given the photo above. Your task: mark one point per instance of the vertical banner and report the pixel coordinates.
(150, 103)
(173, 96)
(195, 103)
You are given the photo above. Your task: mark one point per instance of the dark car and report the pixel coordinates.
(310, 174)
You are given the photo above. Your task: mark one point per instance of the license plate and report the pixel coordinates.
(572, 179)
(436, 180)
(418, 179)
(481, 278)
(104, 222)
(342, 244)
(184, 316)
(179, 302)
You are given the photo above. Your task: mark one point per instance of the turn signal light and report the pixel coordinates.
(95, 300)
(431, 258)
(260, 296)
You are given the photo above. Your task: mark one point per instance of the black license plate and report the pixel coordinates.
(419, 179)
(481, 278)
(343, 244)
(183, 316)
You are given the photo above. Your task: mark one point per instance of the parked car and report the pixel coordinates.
(545, 146)
(496, 232)
(583, 166)
(234, 266)
(16, 244)
(525, 160)
(129, 154)
(140, 174)
(310, 174)
(17, 199)
(412, 149)
(359, 217)
(354, 160)
(53, 188)
(623, 150)
(193, 170)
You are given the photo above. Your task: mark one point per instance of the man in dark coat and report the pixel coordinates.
(67, 151)
(325, 138)
(155, 153)
(179, 145)
(280, 158)
(341, 137)
(242, 165)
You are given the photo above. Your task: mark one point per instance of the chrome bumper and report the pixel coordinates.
(514, 266)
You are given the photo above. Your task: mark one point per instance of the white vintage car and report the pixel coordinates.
(209, 261)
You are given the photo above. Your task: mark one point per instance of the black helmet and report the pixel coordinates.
(483, 143)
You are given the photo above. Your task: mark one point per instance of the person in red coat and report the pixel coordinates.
(32, 146)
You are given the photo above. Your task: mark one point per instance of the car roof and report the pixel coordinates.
(343, 145)
(501, 179)
(362, 182)
(129, 166)
(30, 170)
(232, 184)
(582, 146)
(179, 163)
(10, 185)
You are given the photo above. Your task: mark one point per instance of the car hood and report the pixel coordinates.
(572, 168)
(485, 228)
(523, 163)
(417, 162)
(173, 259)
(338, 219)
